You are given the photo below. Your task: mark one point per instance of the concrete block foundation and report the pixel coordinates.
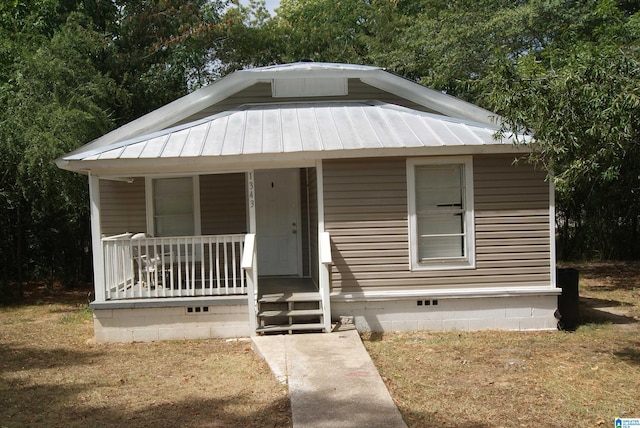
(146, 324)
(464, 314)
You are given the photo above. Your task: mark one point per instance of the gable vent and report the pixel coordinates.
(307, 87)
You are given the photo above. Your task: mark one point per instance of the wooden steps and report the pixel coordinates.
(308, 296)
(290, 328)
(290, 312)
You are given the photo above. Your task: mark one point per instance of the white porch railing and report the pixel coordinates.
(325, 277)
(145, 267)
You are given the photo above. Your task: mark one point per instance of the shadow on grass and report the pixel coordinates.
(32, 400)
(40, 293)
(619, 275)
(372, 336)
(13, 359)
(217, 412)
(631, 354)
(47, 405)
(599, 311)
(419, 420)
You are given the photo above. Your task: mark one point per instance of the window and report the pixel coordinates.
(441, 212)
(174, 210)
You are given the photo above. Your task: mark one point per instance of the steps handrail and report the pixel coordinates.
(247, 254)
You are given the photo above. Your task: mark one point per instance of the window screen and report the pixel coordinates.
(173, 206)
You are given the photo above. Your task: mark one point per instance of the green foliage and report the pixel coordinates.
(579, 97)
(71, 71)
(52, 98)
(161, 49)
(331, 31)
(566, 72)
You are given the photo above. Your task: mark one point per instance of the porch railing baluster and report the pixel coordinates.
(218, 264)
(210, 266)
(153, 268)
(226, 266)
(172, 275)
(179, 267)
(202, 266)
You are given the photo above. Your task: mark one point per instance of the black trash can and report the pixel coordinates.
(568, 301)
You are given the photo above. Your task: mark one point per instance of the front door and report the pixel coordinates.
(277, 219)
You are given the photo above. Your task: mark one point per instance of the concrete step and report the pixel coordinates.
(290, 327)
(290, 297)
(290, 313)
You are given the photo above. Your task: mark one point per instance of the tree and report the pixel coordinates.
(580, 98)
(69, 72)
(331, 31)
(52, 97)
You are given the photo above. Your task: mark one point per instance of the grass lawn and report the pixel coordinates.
(51, 374)
(585, 378)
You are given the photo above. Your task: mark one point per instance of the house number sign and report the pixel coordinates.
(252, 199)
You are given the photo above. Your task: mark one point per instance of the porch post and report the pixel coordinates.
(252, 274)
(324, 264)
(552, 231)
(96, 241)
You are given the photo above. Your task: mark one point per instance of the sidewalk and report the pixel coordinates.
(332, 380)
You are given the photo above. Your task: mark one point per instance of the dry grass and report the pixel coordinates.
(52, 375)
(615, 286)
(514, 379)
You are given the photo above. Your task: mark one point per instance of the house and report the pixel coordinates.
(286, 198)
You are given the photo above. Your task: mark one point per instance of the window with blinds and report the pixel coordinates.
(441, 212)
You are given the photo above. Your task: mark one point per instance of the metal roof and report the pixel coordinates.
(195, 102)
(308, 127)
(307, 66)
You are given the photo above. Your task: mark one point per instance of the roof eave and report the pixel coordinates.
(192, 103)
(173, 112)
(435, 100)
(217, 164)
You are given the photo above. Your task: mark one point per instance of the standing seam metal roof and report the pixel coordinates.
(300, 127)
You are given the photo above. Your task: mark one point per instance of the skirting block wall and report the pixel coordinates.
(465, 314)
(171, 323)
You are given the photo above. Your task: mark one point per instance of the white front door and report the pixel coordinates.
(277, 219)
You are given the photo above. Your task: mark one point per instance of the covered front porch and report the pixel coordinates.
(280, 260)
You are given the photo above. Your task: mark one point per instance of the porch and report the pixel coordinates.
(205, 273)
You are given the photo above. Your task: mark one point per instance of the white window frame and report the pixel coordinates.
(469, 260)
(151, 209)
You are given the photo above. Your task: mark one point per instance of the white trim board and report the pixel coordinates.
(443, 293)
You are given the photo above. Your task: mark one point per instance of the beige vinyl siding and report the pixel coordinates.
(223, 204)
(261, 93)
(512, 218)
(366, 214)
(122, 207)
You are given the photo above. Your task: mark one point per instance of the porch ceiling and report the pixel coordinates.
(305, 128)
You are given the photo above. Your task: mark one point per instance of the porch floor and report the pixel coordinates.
(279, 285)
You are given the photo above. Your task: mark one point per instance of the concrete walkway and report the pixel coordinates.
(332, 380)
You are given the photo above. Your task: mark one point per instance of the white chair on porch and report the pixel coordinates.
(149, 264)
